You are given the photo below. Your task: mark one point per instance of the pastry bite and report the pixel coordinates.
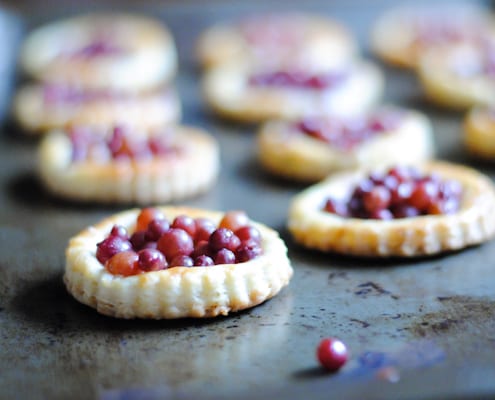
(128, 165)
(401, 35)
(403, 211)
(479, 132)
(175, 262)
(311, 148)
(459, 77)
(116, 51)
(42, 107)
(247, 93)
(277, 40)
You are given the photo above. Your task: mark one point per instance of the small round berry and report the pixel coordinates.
(146, 216)
(119, 230)
(181, 261)
(201, 248)
(204, 228)
(111, 246)
(124, 263)
(234, 220)
(203, 261)
(332, 353)
(248, 233)
(138, 240)
(247, 251)
(186, 223)
(151, 260)
(175, 242)
(223, 238)
(225, 256)
(156, 228)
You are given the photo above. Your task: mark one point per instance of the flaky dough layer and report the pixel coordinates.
(147, 110)
(406, 237)
(297, 156)
(161, 179)
(228, 93)
(149, 59)
(177, 292)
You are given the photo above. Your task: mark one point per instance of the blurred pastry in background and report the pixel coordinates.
(41, 107)
(314, 147)
(479, 132)
(401, 35)
(128, 165)
(459, 76)
(122, 52)
(278, 41)
(248, 93)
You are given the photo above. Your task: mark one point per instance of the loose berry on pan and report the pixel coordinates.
(332, 353)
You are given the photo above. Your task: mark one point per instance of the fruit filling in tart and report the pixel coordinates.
(98, 47)
(64, 94)
(158, 243)
(400, 192)
(404, 211)
(299, 80)
(172, 262)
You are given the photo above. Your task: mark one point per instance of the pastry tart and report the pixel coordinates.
(406, 212)
(105, 51)
(110, 270)
(479, 133)
(401, 35)
(278, 40)
(122, 165)
(39, 108)
(460, 76)
(246, 93)
(314, 147)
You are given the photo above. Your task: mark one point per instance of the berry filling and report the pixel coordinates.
(345, 134)
(401, 192)
(120, 145)
(158, 244)
(98, 48)
(297, 79)
(435, 30)
(63, 94)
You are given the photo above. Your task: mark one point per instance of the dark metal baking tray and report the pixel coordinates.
(415, 328)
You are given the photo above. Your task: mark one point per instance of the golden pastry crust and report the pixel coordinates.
(147, 110)
(148, 58)
(190, 171)
(176, 292)
(313, 40)
(396, 40)
(298, 156)
(406, 237)
(227, 92)
(479, 133)
(451, 76)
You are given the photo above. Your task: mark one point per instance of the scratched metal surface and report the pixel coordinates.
(431, 320)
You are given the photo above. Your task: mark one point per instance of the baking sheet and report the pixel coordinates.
(415, 328)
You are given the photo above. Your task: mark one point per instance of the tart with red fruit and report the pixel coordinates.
(39, 108)
(101, 51)
(277, 40)
(479, 132)
(247, 93)
(311, 148)
(175, 262)
(459, 77)
(401, 211)
(401, 35)
(127, 165)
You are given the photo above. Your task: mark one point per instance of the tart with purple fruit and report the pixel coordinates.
(401, 35)
(459, 77)
(175, 262)
(479, 132)
(403, 211)
(39, 108)
(311, 148)
(247, 93)
(127, 165)
(102, 51)
(277, 40)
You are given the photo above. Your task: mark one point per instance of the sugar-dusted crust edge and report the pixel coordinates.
(152, 60)
(479, 133)
(179, 292)
(159, 180)
(408, 237)
(226, 92)
(146, 110)
(300, 157)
